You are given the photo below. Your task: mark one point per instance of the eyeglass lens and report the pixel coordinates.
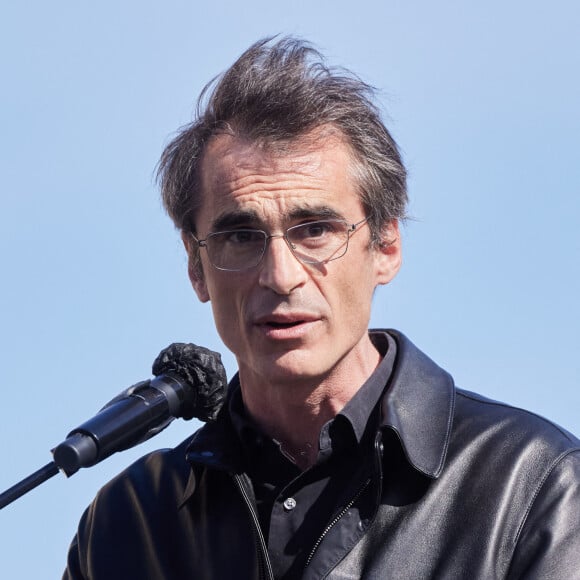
(312, 242)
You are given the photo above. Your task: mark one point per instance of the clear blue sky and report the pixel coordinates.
(484, 101)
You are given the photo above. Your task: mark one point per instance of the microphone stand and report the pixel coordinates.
(190, 381)
(119, 425)
(28, 484)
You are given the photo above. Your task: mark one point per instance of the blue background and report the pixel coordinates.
(483, 99)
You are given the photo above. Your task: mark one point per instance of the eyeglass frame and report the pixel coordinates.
(351, 228)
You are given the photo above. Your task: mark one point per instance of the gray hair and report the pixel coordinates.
(277, 93)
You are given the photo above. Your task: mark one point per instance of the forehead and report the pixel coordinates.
(275, 185)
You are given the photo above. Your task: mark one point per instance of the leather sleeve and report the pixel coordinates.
(73, 570)
(134, 527)
(548, 545)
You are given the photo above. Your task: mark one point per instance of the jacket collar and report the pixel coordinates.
(418, 405)
(214, 446)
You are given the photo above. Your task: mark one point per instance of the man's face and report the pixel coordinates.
(286, 321)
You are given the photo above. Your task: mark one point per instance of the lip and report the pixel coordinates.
(287, 326)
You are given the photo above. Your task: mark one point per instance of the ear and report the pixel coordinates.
(194, 268)
(388, 255)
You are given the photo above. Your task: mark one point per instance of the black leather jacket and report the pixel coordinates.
(460, 487)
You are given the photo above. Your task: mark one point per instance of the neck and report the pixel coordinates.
(294, 413)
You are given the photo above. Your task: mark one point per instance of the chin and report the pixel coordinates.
(294, 366)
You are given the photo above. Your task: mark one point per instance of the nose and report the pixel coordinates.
(280, 270)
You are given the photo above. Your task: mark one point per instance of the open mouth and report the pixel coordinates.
(278, 326)
(285, 324)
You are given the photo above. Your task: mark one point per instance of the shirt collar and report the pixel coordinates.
(358, 410)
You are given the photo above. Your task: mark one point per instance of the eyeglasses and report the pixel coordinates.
(312, 243)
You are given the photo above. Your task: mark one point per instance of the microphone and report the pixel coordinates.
(190, 382)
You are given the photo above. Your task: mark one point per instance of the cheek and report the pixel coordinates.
(222, 297)
(357, 303)
(351, 299)
(226, 322)
(226, 299)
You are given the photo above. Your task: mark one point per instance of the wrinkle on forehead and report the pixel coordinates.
(295, 152)
(251, 166)
(247, 183)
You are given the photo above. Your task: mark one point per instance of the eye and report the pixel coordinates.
(239, 237)
(314, 230)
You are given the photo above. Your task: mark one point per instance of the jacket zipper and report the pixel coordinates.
(335, 521)
(263, 558)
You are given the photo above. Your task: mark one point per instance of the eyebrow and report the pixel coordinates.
(320, 212)
(249, 218)
(235, 219)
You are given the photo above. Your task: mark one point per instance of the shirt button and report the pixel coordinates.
(289, 504)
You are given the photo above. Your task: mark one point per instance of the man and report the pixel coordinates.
(340, 453)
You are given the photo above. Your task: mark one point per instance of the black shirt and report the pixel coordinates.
(295, 506)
